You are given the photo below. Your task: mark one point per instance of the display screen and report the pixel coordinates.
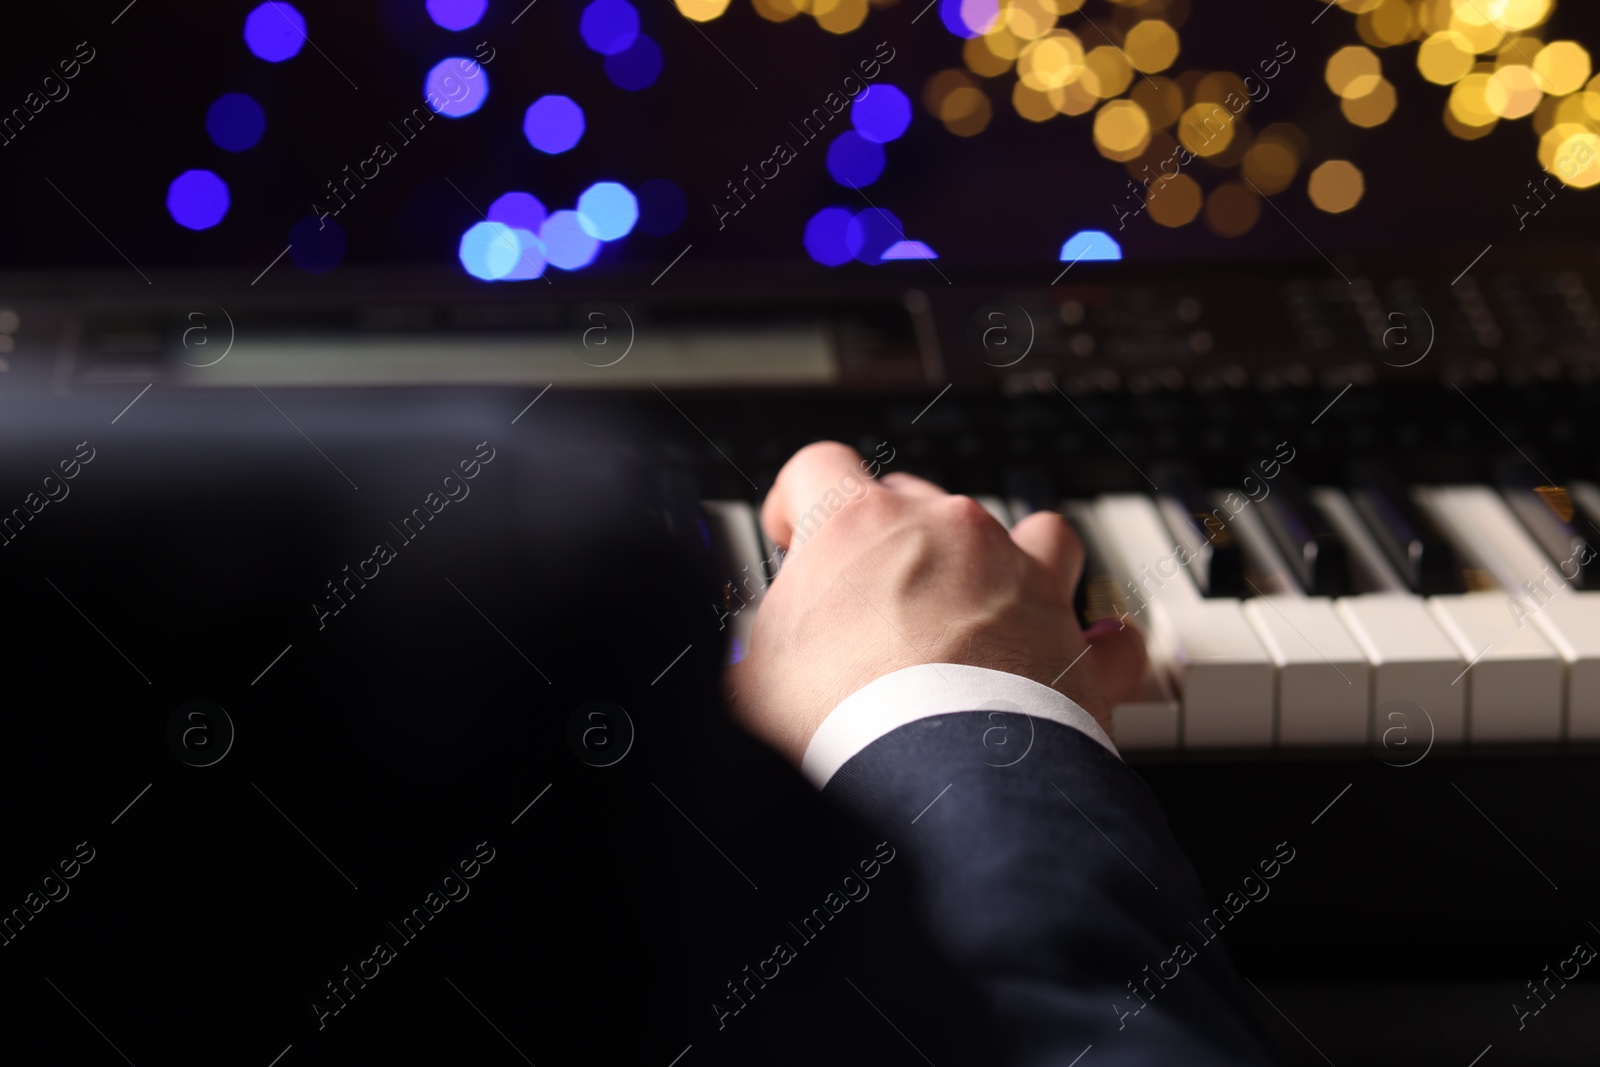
(511, 140)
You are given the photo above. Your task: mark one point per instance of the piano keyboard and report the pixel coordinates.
(1300, 620)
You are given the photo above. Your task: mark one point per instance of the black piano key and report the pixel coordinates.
(1550, 515)
(1313, 549)
(1220, 571)
(1418, 551)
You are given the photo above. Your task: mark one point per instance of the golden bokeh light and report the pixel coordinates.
(1031, 104)
(941, 85)
(1374, 108)
(982, 60)
(701, 10)
(1575, 157)
(1353, 71)
(1174, 201)
(1445, 57)
(1232, 209)
(776, 10)
(842, 16)
(965, 112)
(1205, 129)
(1512, 92)
(1051, 62)
(1502, 14)
(1270, 164)
(1111, 69)
(1464, 131)
(1392, 22)
(1002, 42)
(1562, 67)
(1074, 99)
(1216, 87)
(1161, 99)
(1468, 100)
(1028, 19)
(1482, 36)
(1151, 45)
(1336, 186)
(1121, 130)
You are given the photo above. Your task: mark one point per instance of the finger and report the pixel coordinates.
(809, 488)
(1054, 544)
(910, 485)
(1119, 655)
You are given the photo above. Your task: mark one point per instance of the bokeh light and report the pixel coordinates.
(1232, 209)
(699, 11)
(1468, 102)
(1121, 130)
(637, 67)
(855, 161)
(1336, 186)
(518, 210)
(1161, 99)
(1512, 92)
(317, 244)
(826, 236)
(1562, 66)
(553, 124)
(235, 122)
(839, 16)
(1052, 61)
(529, 261)
(567, 243)
(881, 114)
(1152, 46)
(1176, 202)
(969, 18)
(907, 250)
(1353, 71)
(1206, 129)
(662, 207)
(1111, 71)
(1572, 153)
(872, 233)
(275, 32)
(1088, 246)
(607, 210)
(1374, 108)
(197, 199)
(1269, 165)
(1445, 57)
(456, 87)
(478, 254)
(456, 14)
(609, 26)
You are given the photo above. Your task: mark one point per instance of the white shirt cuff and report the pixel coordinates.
(929, 689)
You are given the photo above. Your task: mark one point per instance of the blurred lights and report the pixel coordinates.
(855, 161)
(1372, 109)
(1111, 69)
(1353, 71)
(1152, 45)
(1232, 210)
(553, 124)
(969, 18)
(825, 236)
(1336, 186)
(456, 14)
(608, 211)
(1445, 57)
(197, 199)
(1089, 246)
(1121, 130)
(518, 210)
(636, 68)
(475, 250)
(567, 242)
(317, 244)
(1051, 62)
(1177, 202)
(275, 32)
(907, 250)
(235, 122)
(1562, 66)
(662, 207)
(872, 233)
(1512, 92)
(609, 26)
(449, 89)
(700, 10)
(881, 113)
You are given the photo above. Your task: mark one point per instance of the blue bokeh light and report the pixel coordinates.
(530, 260)
(456, 87)
(316, 244)
(872, 233)
(476, 251)
(456, 14)
(197, 199)
(855, 161)
(607, 210)
(881, 114)
(969, 18)
(662, 207)
(638, 67)
(609, 26)
(553, 124)
(827, 235)
(1089, 245)
(275, 31)
(567, 244)
(519, 210)
(235, 122)
(907, 250)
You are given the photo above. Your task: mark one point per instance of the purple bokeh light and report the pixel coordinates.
(275, 31)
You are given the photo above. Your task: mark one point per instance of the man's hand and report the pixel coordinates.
(882, 575)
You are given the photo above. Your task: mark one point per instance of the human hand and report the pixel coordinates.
(887, 574)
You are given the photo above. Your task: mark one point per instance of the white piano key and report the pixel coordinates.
(996, 507)
(1485, 531)
(1223, 674)
(1323, 676)
(735, 528)
(1149, 722)
(1514, 681)
(1410, 658)
(1372, 569)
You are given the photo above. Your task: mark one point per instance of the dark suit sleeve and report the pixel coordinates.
(1056, 884)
